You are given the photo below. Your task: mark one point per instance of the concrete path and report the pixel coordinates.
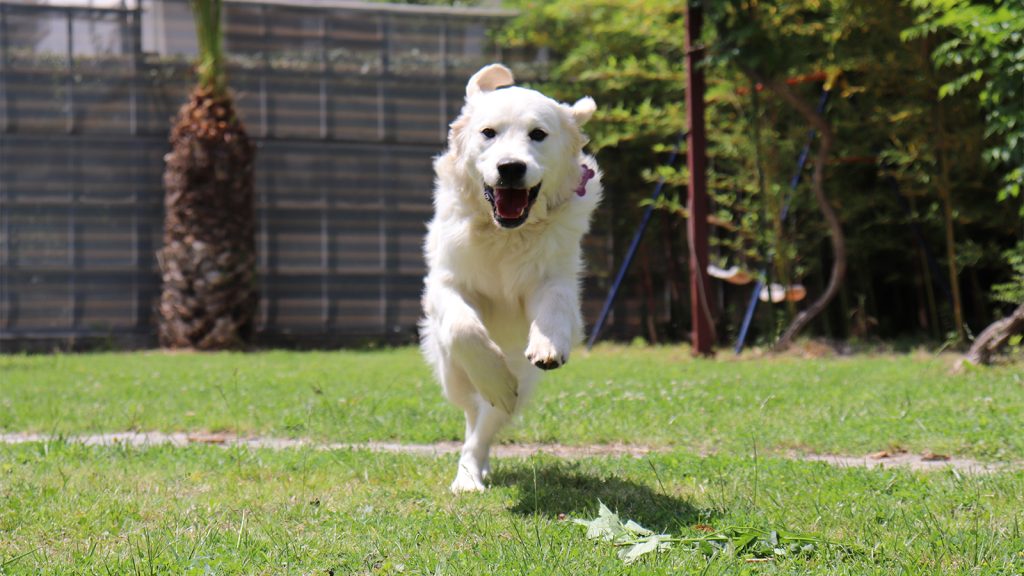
(921, 462)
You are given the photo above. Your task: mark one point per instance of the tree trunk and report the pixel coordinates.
(208, 261)
(650, 306)
(676, 290)
(995, 337)
(838, 273)
(929, 291)
(948, 224)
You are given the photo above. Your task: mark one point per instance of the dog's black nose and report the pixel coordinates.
(511, 171)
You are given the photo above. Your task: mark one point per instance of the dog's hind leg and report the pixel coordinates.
(474, 463)
(460, 391)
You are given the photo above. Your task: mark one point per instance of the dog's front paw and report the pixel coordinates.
(543, 354)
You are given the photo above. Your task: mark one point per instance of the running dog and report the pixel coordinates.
(513, 197)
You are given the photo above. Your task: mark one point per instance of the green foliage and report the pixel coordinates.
(629, 55)
(626, 53)
(1012, 291)
(983, 43)
(211, 64)
(777, 39)
(635, 540)
(901, 154)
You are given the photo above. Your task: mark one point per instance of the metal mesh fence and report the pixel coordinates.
(348, 106)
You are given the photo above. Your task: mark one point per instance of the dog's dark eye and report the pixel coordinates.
(488, 133)
(538, 135)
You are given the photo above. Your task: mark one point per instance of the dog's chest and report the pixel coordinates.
(511, 266)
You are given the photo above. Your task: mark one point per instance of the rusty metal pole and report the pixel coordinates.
(701, 300)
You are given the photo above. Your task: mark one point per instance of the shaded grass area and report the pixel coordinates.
(650, 396)
(198, 510)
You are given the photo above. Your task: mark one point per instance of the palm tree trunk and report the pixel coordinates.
(208, 260)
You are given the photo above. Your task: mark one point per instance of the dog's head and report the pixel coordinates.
(516, 149)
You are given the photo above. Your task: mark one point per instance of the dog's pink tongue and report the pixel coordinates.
(511, 202)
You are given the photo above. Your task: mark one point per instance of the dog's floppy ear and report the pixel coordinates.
(582, 110)
(488, 78)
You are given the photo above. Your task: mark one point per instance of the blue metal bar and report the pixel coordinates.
(631, 251)
(748, 316)
(793, 183)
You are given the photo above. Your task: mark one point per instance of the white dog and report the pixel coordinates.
(513, 197)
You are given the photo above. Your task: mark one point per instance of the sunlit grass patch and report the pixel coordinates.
(651, 397)
(200, 509)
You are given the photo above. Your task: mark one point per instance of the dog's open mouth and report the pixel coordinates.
(511, 206)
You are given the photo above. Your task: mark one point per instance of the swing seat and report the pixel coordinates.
(776, 293)
(732, 275)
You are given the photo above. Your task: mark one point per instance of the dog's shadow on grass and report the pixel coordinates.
(569, 490)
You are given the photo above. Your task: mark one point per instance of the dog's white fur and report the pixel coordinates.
(500, 302)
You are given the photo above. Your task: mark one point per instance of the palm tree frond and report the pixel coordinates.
(210, 66)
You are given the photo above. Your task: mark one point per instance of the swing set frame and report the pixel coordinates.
(703, 335)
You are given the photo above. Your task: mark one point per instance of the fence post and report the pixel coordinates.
(264, 112)
(69, 84)
(139, 317)
(136, 47)
(387, 240)
(5, 230)
(444, 79)
(325, 200)
(325, 132)
(4, 115)
(325, 254)
(384, 31)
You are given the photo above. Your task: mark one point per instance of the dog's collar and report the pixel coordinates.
(586, 173)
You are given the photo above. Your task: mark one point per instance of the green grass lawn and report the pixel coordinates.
(656, 396)
(71, 509)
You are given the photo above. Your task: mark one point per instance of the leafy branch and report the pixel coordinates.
(635, 541)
